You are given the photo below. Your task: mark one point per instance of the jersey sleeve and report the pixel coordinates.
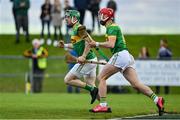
(112, 31)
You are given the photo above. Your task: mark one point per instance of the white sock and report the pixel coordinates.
(156, 100)
(104, 104)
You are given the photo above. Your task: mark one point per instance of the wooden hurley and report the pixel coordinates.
(71, 59)
(84, 34)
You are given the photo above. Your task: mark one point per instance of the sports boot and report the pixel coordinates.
(94, 94)
(160, 105)
(99, 108)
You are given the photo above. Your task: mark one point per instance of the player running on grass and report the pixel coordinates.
(121, 61)
(88, 71)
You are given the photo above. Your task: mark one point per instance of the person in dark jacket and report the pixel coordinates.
(164, 53)
(21, 8)
(14, 14)
(94, 8)
(81, 6)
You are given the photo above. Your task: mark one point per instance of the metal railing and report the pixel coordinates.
(14, 71)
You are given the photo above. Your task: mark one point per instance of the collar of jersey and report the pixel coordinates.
(113, 24)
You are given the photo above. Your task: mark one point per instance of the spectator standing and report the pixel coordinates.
(46, 20)
(144, 53)
(94, 8)
(112, 4)
(164, 53)
(21, 8)
(56, 21)
(67, 6)
(39, 55)
(81, 6)
(14, 14)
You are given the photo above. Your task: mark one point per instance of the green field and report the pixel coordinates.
(76, 106)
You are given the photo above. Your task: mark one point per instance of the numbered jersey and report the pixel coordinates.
(120, 44)
(79, 44)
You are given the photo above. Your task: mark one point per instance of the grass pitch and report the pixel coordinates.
(76, 106)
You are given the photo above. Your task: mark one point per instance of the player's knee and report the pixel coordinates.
(66, 80)
(101, 78)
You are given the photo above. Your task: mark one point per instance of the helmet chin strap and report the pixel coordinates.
(102, 22)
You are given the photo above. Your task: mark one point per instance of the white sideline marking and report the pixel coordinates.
(136, 116)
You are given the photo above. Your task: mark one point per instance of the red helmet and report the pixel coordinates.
(105, 14)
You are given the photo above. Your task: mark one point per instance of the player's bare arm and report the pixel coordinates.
(81, 59)
(108, 44)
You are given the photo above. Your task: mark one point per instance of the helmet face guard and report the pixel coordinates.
(103, 18)
(73, 15)
(105, 14)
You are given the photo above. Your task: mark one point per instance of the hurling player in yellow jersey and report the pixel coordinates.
(88, 71)
(121, 61)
